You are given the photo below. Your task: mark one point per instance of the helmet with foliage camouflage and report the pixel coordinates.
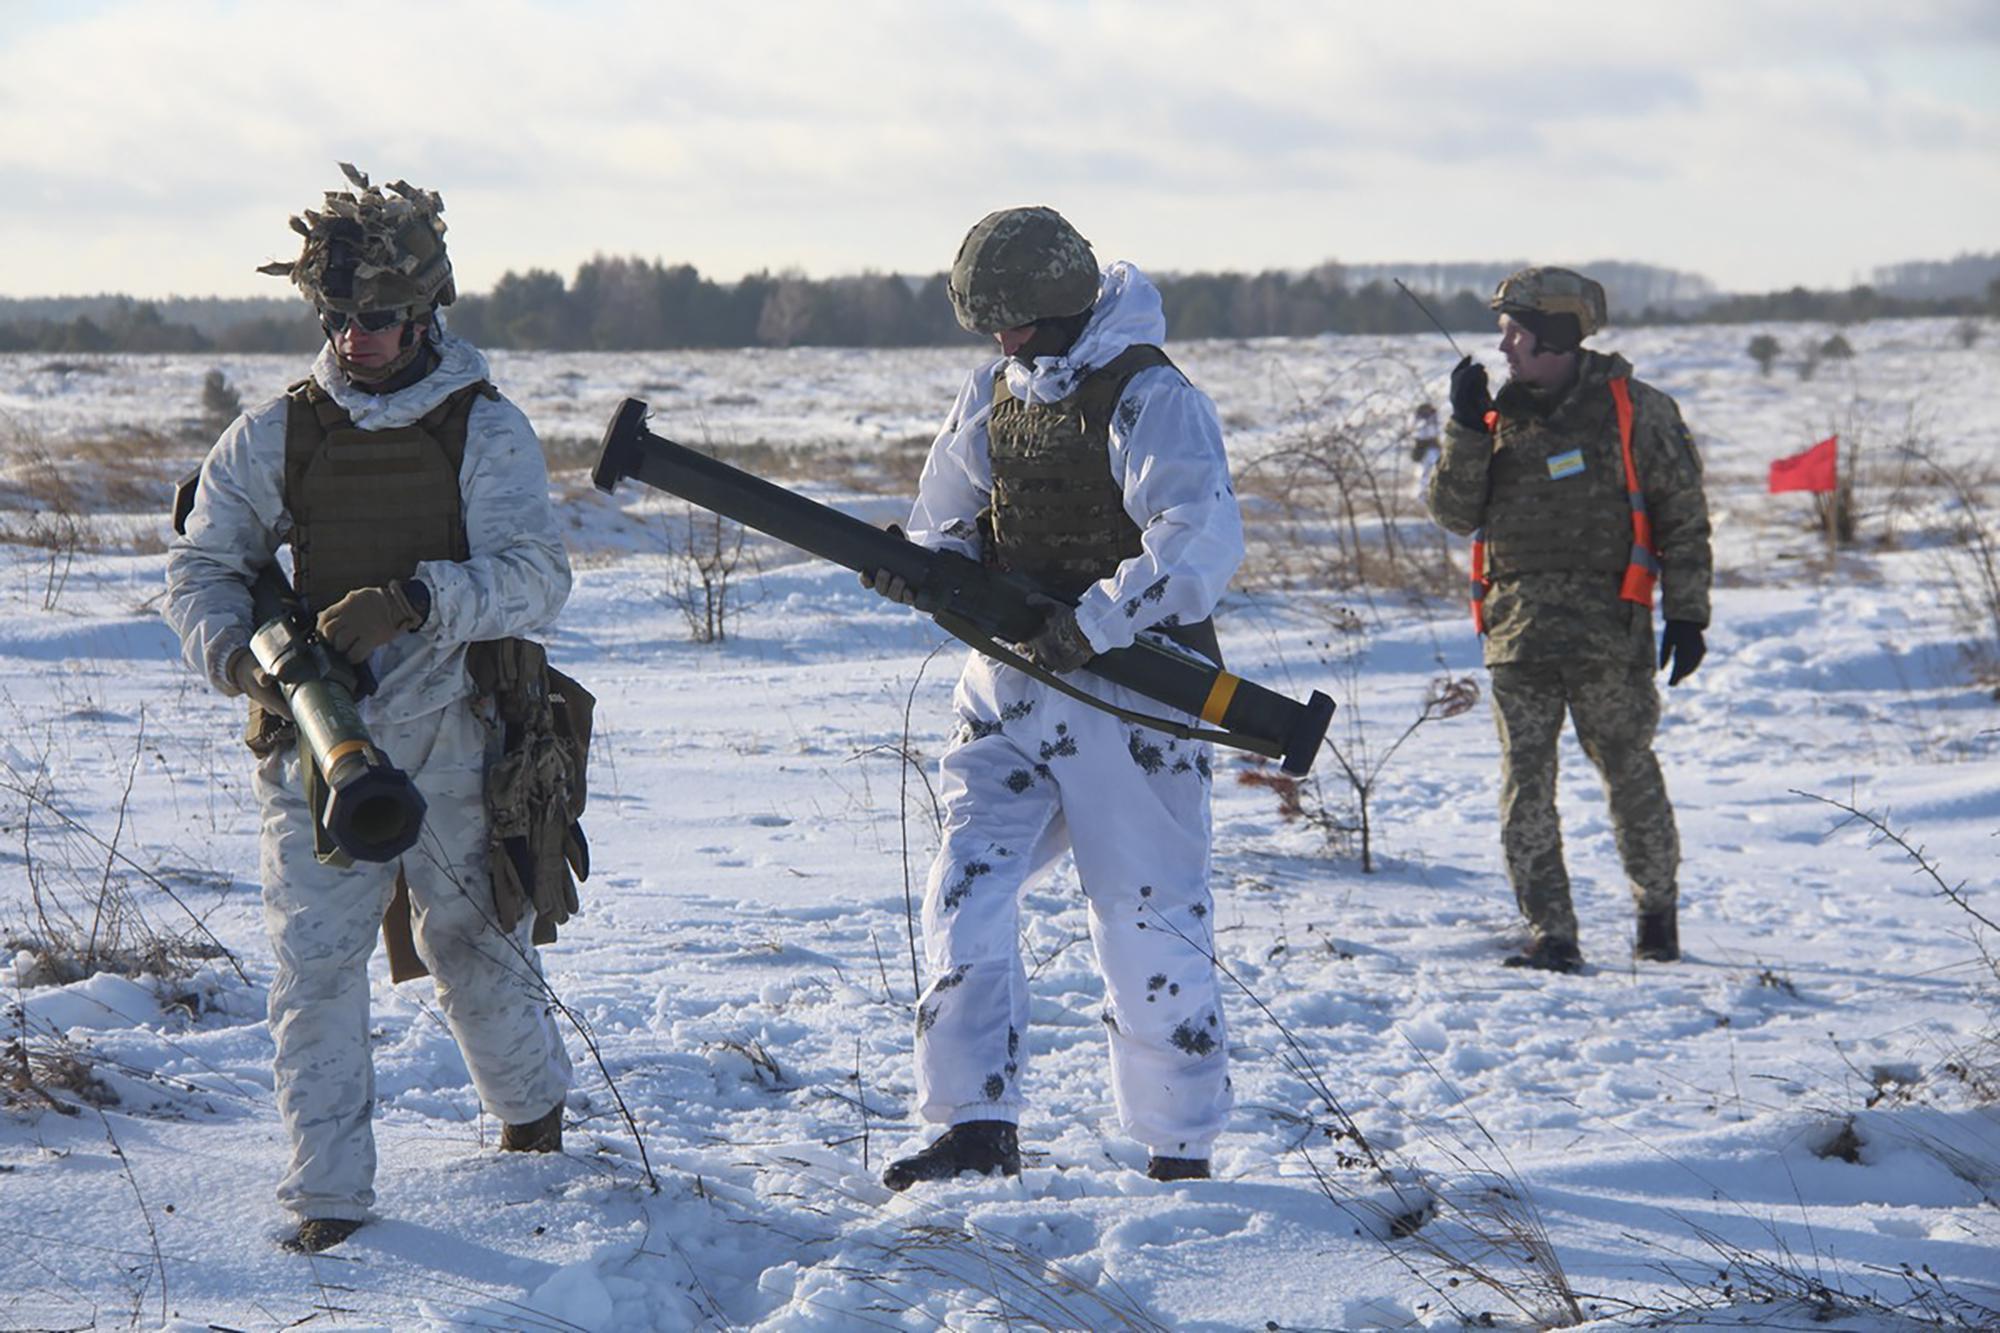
(1552, 293)
(372, 249)
(1020, 265)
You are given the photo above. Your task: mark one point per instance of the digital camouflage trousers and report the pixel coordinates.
(1615, 708)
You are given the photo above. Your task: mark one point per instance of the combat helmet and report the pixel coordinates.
(1561, 306)
(1020, 265)
(372, 249)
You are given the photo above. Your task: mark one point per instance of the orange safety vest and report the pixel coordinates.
(1642, 568)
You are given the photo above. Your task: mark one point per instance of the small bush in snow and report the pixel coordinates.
(221, 404)
(1763, 350)
(704, 555)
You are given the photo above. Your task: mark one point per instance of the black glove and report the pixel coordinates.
(1470, 398)
(1682, 644)
(1059, 644)
(891, 586)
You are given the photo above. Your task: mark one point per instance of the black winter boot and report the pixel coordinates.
(1177, 1168)
(1659, 938)
(1548, 955)
(320, 1233)
(984, 1146)
(543, 1135)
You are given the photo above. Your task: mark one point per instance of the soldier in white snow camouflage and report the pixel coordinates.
(415, 502)
(1082, 459)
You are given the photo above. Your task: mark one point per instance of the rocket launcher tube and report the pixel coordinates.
(373, 811)
(964, 595)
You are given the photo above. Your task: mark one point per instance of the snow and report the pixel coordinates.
(743, 972)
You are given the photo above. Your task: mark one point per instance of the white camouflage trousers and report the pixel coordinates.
(323, 923)
(1030, 775)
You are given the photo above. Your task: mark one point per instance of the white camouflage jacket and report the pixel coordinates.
(517, 578)
(1169, 461)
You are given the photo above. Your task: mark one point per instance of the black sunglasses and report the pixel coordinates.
(371, 321)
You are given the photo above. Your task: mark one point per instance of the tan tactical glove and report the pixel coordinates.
(367, 618)
(254, 681)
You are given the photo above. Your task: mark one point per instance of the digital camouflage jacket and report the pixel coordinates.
(1547, 488)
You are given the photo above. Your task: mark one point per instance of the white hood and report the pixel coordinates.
(1127, 312)
(459, 364)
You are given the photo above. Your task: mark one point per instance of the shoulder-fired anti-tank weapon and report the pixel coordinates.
(988, 608)
(371, 810)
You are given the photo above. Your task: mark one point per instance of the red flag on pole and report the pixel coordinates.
(1817, 469)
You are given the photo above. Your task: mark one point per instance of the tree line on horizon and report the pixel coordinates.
(620, 303)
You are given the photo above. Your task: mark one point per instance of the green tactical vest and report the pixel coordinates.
(1058, 515)
(1545, 514)
(368, 505)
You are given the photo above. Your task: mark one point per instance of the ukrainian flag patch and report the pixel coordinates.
(1565, 465)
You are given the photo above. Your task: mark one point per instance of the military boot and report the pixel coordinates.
(543, 1135)
(984, 1146)
(1548, 954)
(1659, 938)
(320, 1233)
(1177, 1168)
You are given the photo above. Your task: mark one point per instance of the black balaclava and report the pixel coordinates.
(1053, 336)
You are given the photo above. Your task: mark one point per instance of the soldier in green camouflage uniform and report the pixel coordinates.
(1538, 475)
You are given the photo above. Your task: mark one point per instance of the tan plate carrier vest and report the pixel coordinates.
(367, 507)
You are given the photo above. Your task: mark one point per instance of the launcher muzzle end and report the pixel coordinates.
(620, 453)
(1302, 746)
(373, 811)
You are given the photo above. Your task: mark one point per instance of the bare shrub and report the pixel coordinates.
(46, 515)
(1881, 478)
(53, 501)
(1956, 894)
(1480, 1229)
(1896, 480)
(34, 1071)
(84, 915)
(1361, 757)
(704, 554)
(1834, 510)
(1797, 1291)
(1969, 561)
(1348, 517)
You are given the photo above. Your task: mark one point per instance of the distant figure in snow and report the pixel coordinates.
(1424, 445)
(416, 503)
(1082, 458)
(1581, 488)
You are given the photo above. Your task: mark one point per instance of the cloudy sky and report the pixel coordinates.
(158, 147)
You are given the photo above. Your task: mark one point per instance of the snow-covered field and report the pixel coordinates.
(1805, 1102)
